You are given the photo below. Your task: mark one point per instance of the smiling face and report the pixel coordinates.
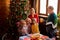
(50, 9)
(22, 22)
(28, 20)
(32, 11)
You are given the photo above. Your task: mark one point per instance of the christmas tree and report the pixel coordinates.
(19, 9)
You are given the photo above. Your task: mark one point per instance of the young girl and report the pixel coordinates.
(23, 28)
(35, 28)
(28, 21)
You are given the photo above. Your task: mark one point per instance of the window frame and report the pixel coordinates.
(46, 8)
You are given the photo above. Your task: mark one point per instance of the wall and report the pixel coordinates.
(34, 4)
(4, 11)
(59, 6)
(37, 4)
(4, 8)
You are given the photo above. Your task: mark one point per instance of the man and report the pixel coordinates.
(51, 22)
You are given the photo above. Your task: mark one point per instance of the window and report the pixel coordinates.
(43, 6)
(53, 3)
(45, 3)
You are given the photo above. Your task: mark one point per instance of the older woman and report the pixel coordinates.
(33, 15)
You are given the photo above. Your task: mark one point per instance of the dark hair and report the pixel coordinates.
(50, 7)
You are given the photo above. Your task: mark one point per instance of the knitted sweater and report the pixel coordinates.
(52, 18)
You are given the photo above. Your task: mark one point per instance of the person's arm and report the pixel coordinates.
(37, 17)
(52, 20)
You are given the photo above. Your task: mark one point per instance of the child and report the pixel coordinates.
(28, 21)
(34, 27)
(23, 28)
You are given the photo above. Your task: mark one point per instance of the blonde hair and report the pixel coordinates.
(32, 9)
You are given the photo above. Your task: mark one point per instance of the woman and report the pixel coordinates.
(33, 15)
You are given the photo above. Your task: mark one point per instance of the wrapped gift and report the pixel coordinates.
(26, 38)
(35, 36)
(44, 37)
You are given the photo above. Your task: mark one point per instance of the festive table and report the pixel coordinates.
(34, 37)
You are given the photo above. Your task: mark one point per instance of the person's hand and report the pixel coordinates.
(41, 20)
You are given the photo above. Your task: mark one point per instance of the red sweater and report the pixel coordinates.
(35, 16)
